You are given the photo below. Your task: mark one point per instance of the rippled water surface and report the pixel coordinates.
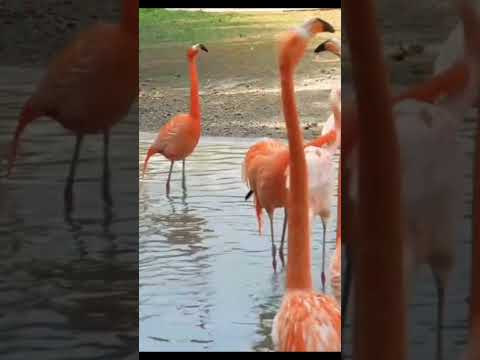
(206, 277)
(69, 286)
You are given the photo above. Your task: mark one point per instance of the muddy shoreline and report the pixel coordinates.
(244, 111)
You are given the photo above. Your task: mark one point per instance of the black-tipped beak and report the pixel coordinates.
(327, 27)
(320, 48)
(201, 46)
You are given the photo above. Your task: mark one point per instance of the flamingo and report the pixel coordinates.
(89, 86)
(334, 121)
(178, 138)
(320, 166)
(264, 172)
(378, 262)
(306, 321)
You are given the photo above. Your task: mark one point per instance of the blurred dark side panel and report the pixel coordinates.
(68, 279)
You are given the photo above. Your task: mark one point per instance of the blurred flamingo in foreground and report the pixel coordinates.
(306, 321)
(378, 252)
(178, 138)
(88, 88)
(431, 180)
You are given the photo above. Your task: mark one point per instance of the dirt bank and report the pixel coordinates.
(239, 83)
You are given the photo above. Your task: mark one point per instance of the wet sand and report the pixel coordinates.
(239, 85)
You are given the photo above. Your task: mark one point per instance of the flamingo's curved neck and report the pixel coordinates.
(129, 19)
(299, 271)
(194, 90)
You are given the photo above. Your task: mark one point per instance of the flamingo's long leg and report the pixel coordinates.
(284, 230)
(107, 196)
(169, 176)
(274, 250)
(440, 304)
(324, 223)
(71, 176)
(184, 179)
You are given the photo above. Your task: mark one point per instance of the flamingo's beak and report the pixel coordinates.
(320, 48)
(201, 46)
(326, 27)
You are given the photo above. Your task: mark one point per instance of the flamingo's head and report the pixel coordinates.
(294, 42)
(195, 50)
(317, 25)
(330, 45)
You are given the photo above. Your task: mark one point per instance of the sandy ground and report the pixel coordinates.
(239, 87)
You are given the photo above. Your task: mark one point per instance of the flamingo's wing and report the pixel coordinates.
(172, 133)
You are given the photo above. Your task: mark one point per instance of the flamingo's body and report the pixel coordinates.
(89, 86)
(306, 321)
(264, 172)
(178, 138)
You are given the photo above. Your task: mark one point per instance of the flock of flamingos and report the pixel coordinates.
(399, 183)
(297, 177)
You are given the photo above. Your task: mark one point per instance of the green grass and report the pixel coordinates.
(160, 26)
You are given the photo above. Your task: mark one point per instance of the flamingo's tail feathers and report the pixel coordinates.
(26, 117)
(151, 151)
(249, 194)
(258, 210)
(244, 172)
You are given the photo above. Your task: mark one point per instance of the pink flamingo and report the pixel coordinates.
(179, 137)
(89, 86)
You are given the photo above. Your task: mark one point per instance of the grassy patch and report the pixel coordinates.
(159, 26)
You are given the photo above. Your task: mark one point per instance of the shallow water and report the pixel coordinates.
(69, 286)
(206, 277)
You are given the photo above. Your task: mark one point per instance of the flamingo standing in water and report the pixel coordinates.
(334, 121)
(306, 321)
(178, 138)
(88, 88)
(264, 172)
